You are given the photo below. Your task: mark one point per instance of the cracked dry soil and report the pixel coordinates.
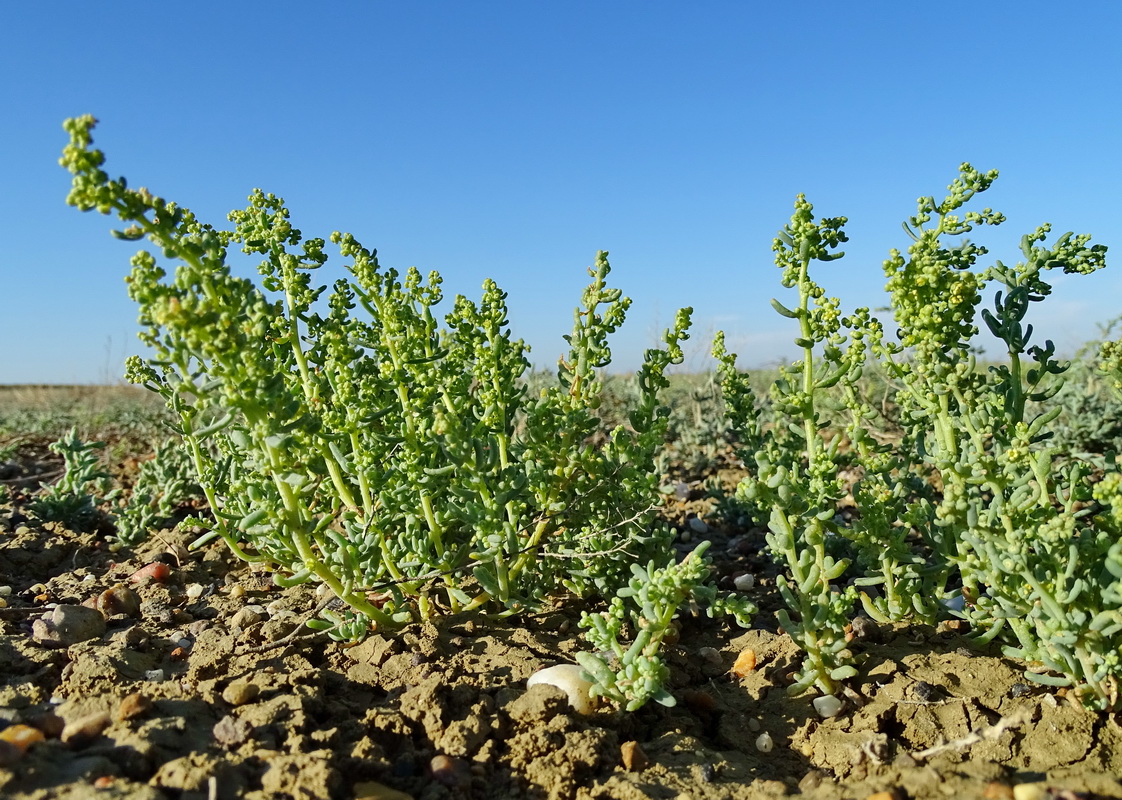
(181, 696)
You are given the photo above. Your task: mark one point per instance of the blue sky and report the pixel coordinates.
(514, 139)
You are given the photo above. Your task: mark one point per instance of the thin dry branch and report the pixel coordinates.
(986, 733)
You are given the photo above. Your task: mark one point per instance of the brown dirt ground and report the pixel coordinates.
(441, 710)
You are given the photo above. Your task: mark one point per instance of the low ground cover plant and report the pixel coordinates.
(348, 438)
(973, 511)
(163, 484)
(75, 498)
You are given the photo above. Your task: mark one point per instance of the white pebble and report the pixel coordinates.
(1030, 791)
(195, 591)
(744, 582)
(5, 591)
(764, 742)
(827, 705)
(567, 678)
(155, 675)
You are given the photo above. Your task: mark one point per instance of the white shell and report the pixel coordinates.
(567, 678)
(764, 742)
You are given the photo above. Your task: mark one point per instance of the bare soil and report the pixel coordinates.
(196, 693)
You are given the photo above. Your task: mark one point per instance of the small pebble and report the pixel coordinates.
(697, 525)
(997, 791)
(925, 692)
(237, 592)
(1030, 791)
(180, 553)
(85, 729)
(5, 591)
(67, 624)
(956, 627)
(570, 679)
(133, 705)
(827, 706)
(239, 693)
(449, 771)
(21, 736)
(812, 780)
(195, 591)
(230, 731)
(157, 571)
(136, 638)
(118, 599)
(247, 617)
(744, 582)
(764, 742)
(745, 663)
(50, 723)
(864, 629)
(41, 593)
(155, 675)
(711, 655)
(632, 757)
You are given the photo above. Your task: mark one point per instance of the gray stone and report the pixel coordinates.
(67, 625)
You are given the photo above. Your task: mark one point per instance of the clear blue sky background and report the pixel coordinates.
(514, 139)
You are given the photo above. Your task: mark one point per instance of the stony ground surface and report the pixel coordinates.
(194, 680)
